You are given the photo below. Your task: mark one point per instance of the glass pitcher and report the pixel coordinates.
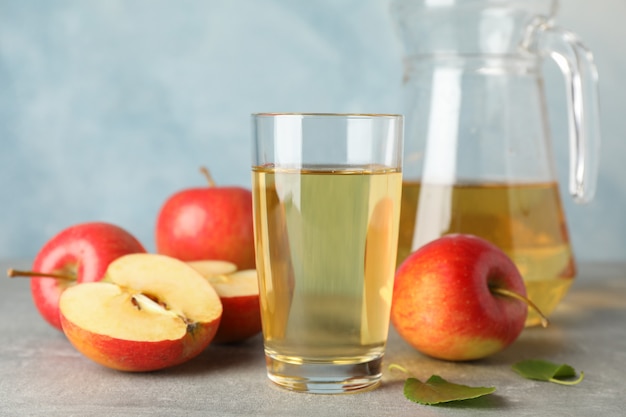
(477, 142)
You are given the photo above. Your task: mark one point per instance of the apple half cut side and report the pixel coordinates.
(150, 312)
(213, 268)
(239, 294)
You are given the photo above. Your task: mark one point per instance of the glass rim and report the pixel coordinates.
(327, 115)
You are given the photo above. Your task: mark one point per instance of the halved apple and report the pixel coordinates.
(239, 294)
(150, 312)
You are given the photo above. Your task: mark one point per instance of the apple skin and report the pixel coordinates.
(442, 304)
(83, 252)
(208, 223)
(146, 356)
(241, 319)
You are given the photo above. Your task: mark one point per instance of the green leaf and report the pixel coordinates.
(437, 390)
(541, 370)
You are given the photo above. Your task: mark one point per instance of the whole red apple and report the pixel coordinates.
(208, 223)
(79, 253)
(454, 299)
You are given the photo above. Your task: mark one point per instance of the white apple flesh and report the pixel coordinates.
(213, 268)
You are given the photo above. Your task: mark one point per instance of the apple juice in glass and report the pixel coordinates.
(326, 212)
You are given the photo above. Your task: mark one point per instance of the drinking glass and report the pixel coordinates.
(326, 190)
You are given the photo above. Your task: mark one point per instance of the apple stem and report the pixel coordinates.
(506, 293)
(12, 273)
(208, 176)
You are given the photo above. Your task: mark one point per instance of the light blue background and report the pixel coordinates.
(108, 107)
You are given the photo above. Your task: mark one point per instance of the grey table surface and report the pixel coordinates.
(42, 375)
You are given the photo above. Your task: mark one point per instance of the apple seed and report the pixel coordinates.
(143, 302)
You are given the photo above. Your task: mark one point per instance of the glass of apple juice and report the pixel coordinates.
(326, 190)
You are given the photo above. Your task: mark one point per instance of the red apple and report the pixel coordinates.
(80, 253)
(208, 223)
(150, 312)
(239, 294)
(459, 298)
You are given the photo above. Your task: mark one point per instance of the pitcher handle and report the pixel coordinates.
(581, 85)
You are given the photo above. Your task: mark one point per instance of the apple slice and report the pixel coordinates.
(239, 294)
(150, 312)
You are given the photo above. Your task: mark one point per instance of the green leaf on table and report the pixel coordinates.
(437, 390)
(542, 370)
